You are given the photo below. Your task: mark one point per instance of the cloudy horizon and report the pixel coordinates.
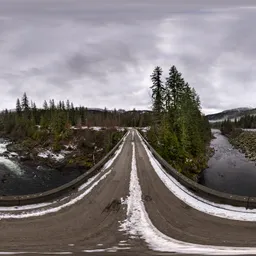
(101, 53)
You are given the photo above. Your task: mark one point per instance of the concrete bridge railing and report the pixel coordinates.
(202, 191)
(61, 190)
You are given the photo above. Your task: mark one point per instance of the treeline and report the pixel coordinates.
(180, 133)
(245, 122)
(58, 117)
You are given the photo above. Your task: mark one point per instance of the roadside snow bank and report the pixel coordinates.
(88, 186)
(139, 225)
(201, 204)
(145, 129)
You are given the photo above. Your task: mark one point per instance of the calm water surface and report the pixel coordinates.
(229, 171)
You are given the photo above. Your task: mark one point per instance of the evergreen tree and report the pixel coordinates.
(174, 87)
(18, 107)
(157, 93)
(25, 103)
(62, 105)
(183, 133)
(52, 104)
(68, 105)
(45, 105)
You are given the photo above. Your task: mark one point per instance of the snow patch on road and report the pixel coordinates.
(111, 249)
(89, 181)
(25, 207)
(139, 225)
(201, 204)
(42, 212)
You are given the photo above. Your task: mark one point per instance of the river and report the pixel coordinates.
(229, 171)
(18, 179)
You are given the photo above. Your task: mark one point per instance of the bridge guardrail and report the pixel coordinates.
(61, 190)
(200, 190)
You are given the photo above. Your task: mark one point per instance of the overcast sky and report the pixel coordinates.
(100, 53)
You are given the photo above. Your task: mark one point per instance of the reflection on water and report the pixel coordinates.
(229, 171)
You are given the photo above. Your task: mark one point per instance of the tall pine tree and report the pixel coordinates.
(18, 107)
(157, 92)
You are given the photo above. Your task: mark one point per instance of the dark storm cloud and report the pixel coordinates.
(101, 53)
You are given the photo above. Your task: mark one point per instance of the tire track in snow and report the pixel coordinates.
(138, 225)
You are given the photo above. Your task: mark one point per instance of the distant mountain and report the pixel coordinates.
(231, 114)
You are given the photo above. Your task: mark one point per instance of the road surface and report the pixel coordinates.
(107, 221)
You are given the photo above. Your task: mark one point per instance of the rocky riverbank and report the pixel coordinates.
(80, 149)
(245, 142)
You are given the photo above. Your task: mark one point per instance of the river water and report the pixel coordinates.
(18, 179)
(229, 171)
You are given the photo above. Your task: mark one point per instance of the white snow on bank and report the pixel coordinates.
(249, 130)
(145, 129)
(95, 128)
(107, 165)
(120, 129)
(201, 204)
(14, 154)
(50, 154)
(139, 225)
(88, 185)
(98, 128)
(70, 146)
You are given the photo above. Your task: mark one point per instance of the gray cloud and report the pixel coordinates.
(101, 53)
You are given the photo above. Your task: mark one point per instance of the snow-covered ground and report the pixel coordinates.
(249, 130)
(95, 128)
(145, 129)
(201, 204)
(49, 154)
(98, 128)
(86, 188)
(138, 225)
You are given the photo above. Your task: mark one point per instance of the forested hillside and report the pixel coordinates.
(245, 122)
(180, 133)
(58, 118)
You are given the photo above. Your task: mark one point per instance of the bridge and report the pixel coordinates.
(132, 206)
